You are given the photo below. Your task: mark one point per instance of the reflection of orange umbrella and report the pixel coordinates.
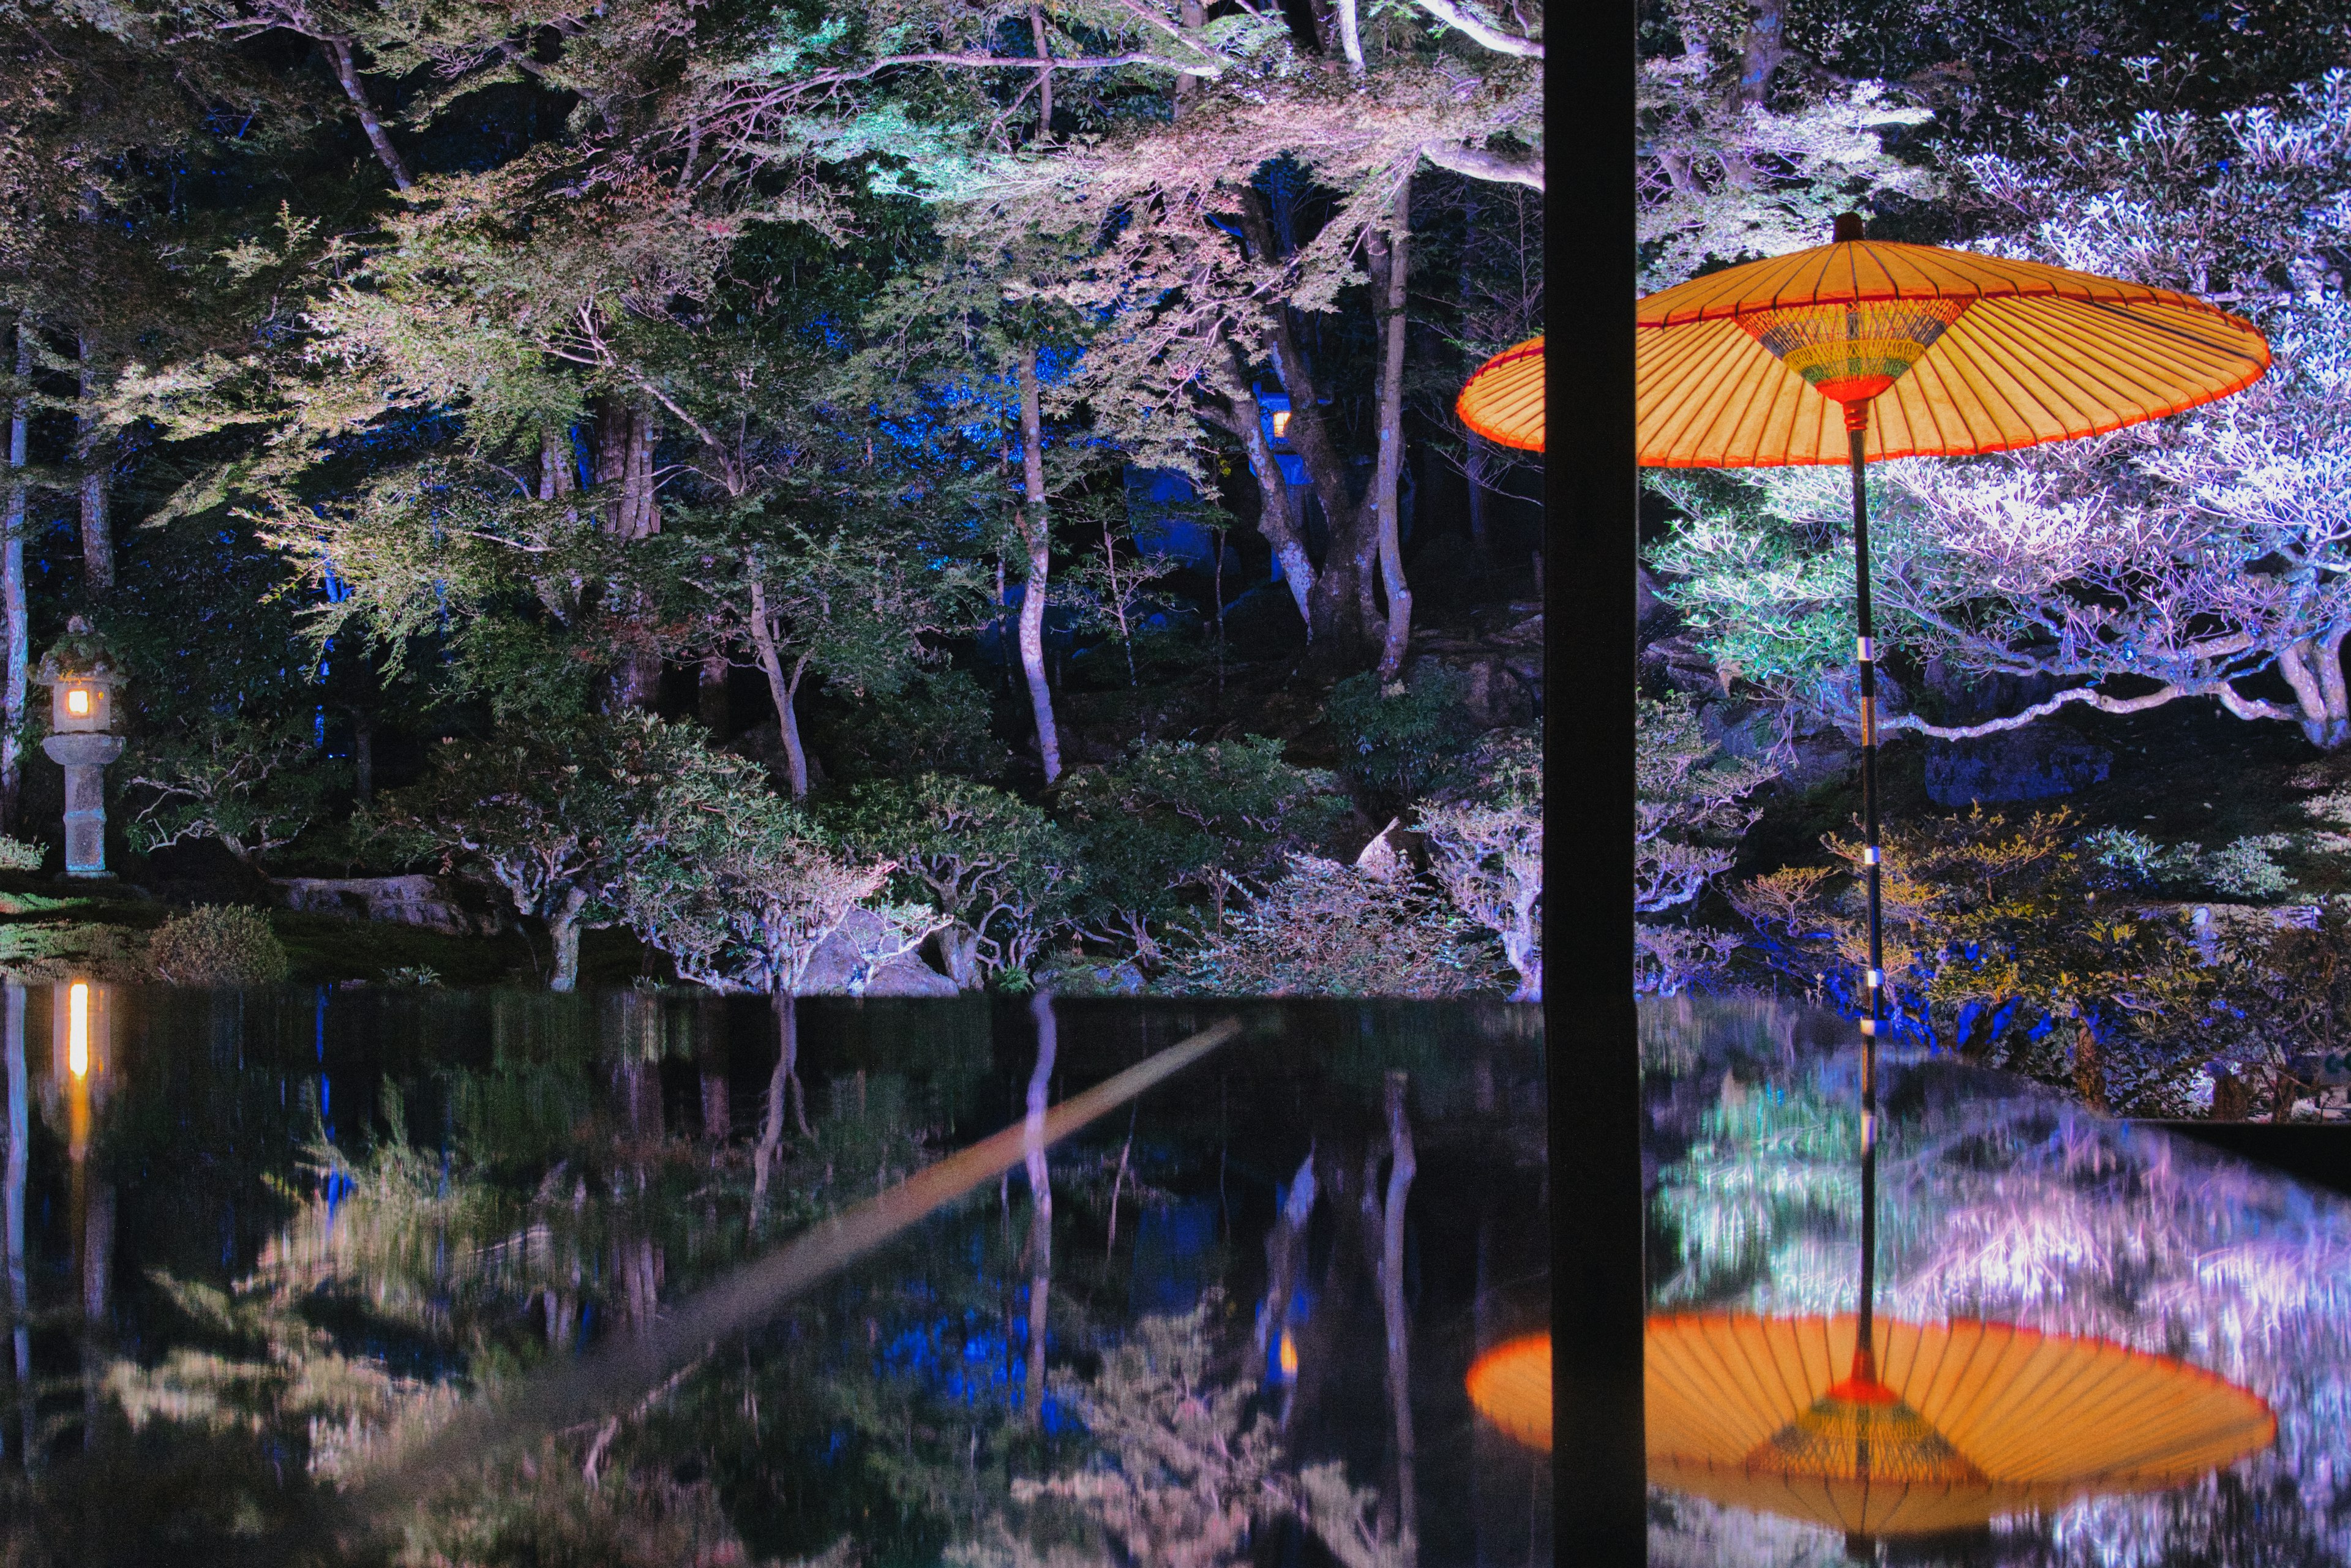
(1966, 1421)
(1504, 401)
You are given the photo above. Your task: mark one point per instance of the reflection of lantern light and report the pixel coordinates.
(77, 1030)
(1288, 1356)
(77, 703)
(1281, 424)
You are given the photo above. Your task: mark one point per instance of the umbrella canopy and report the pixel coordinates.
(1965, 1421)
(1951, 353)
(1504, 401)
(1510, 1386)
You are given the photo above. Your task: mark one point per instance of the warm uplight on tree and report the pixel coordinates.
(77, 703)
(77, 1030)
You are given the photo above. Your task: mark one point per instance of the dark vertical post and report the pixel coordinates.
(1591, 516)
(1864, 1347)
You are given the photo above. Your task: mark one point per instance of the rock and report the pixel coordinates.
(1393, 849)
(2031, 764)
(842, 965)
(416, 900)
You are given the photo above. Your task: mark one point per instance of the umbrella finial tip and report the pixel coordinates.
(1848, 228)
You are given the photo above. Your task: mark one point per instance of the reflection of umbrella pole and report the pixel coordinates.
(1865, 1359)
(19, 1121)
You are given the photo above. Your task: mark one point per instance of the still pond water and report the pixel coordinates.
(375, 1276)
(2128, 1349)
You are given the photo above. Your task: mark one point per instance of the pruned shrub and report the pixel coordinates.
(217, 945)
(1331, 930)
(16, 855)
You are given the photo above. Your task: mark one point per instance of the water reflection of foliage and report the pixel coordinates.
(497, 1216)
(2003, 1202)
(1187, 1469)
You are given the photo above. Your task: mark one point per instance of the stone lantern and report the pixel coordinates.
(82, 673)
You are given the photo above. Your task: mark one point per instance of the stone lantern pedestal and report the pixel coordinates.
(82, 673)
(84, 758)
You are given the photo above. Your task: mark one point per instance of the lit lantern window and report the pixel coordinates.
(77, 703)
(1282, 425)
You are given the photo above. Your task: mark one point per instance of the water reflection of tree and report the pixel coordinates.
(491, 1221)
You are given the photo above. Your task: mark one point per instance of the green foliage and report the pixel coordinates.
(1009, 878)
(1326, 929)
(741, 889)
(1174, 823)
(16, 855)
(1404, 738)
(2243, 868)
(217, 945)
(249, 787)
(2004, 925)
(1486, 847)
(562, 819)
(937, 721)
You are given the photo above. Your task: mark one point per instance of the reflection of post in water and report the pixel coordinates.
(1040, 1201)
(12, 1004)
(785, 1081)
(1282, 1250)
(636, 1082)
(1402, 1167)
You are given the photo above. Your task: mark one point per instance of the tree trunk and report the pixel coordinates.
(94, 453)
(1044, 77)
(1351, 36)
(1191, 16)
(17, 628)
(710, 695)
(1040, 1202)
(781, 687)
(364, 759)
(1387, 474)
(1396, 1321)
(338, 55)
(1274, 519)
(1341, 591)
(2089, 1069)
(1763, 51)
(555, 479)
(1036, 538)
(563, 935)
(1478, 467)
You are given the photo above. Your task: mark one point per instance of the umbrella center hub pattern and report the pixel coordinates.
(1863, 1429)
(1851, 351)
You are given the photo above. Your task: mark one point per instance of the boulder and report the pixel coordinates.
(2013, 764)
(842, 967)
(416, 900)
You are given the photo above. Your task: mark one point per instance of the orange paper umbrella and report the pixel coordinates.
(1504, 401)
(1963, 1422)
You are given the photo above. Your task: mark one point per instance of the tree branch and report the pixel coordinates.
(1486, 33)
(1476, 163)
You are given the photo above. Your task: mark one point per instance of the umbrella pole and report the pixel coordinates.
(1865, 1350)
